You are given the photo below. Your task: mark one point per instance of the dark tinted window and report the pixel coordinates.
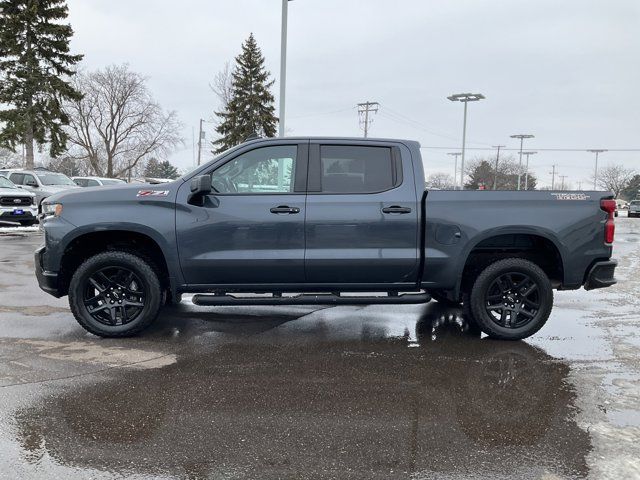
(16, 178)
(92, 183)
(355, 169)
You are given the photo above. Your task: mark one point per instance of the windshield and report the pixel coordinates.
(6, 183)
(112, 181)
(635, 202)
(55, 179)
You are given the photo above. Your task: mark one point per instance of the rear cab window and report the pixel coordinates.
(354, 169)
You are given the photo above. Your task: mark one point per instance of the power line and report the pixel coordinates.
(363, 114)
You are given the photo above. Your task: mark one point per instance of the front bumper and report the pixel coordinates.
(28, 214)
(48, 281)
(601, 275)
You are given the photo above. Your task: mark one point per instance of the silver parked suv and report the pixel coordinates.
(41, 182)
(634, 208)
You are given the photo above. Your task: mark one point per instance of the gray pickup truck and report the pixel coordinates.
(321, 221)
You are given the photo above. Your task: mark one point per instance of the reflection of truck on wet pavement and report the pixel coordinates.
(321, 221)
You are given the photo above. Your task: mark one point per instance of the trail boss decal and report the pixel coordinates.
(571, 196)
(152, 193)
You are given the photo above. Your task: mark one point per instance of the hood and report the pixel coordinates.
(15, 192)
(114, 193)
(59, 188)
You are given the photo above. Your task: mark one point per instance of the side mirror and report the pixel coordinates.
(31, 183)
(200, 187)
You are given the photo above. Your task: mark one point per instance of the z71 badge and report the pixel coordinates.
(152, 193)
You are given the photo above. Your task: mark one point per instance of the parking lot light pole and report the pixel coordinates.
(455, 168)
(595, 173)
(283, 66)
(464, 98)
(526, 172)
(521, 136)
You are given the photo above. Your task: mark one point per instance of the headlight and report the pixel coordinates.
(54, 209)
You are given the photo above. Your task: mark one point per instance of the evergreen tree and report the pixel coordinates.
(158, 169)
(251, 106)
(34, 61)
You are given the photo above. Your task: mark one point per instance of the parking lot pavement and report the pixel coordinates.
(345, 392)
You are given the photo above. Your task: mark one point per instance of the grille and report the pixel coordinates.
(11, 201)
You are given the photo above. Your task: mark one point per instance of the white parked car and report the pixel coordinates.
(16, 205)
(96, 181)
(634, 208)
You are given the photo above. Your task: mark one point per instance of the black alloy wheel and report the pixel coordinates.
(512, 300)
(114, 296)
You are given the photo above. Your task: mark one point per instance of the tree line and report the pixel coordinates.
(104, 122)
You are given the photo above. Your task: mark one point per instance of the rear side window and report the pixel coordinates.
(17, 178)
(357, 169)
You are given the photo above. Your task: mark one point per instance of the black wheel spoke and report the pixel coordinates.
(512, 300)
(114, 296)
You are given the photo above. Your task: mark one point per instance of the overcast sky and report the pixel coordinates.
(566, 71)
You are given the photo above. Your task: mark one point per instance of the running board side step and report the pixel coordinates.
(311, 299)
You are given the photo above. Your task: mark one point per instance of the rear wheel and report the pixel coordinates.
(115, 294)
(511, 299)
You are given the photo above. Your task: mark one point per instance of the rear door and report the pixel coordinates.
(362, 214)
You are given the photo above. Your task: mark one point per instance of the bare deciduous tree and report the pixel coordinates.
(615, 178)
(440, 181)
(222, 85)
(118, 124)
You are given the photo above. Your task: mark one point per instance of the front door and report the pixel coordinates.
(250, 230)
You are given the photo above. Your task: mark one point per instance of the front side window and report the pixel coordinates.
(92, 183)
(263, 170)
(30, 180)
(356, 169)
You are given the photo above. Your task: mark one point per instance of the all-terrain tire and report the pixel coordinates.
(477, 303)
(143, 270)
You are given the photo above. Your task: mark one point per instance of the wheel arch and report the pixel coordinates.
(538, 245)
(143, 241)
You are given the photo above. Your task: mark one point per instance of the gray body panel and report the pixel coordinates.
(336, 242)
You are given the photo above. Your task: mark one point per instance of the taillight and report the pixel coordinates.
(609, 206)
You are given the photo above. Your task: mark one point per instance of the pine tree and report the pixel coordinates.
(158, 169)
(251, 107)
(34, 61)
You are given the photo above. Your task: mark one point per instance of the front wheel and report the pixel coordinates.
(115, 294)
(511, 299)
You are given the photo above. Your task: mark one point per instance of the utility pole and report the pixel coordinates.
(562, 177)
(455, 168)
(526, 173)
(200, 133)
(283, 66)
(580, 185)
(495, 174)
(553, 177)
(464, 98)
(521, 137)
(363, 114)
(595, 174)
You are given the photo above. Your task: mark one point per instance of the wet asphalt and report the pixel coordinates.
(343, 392)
